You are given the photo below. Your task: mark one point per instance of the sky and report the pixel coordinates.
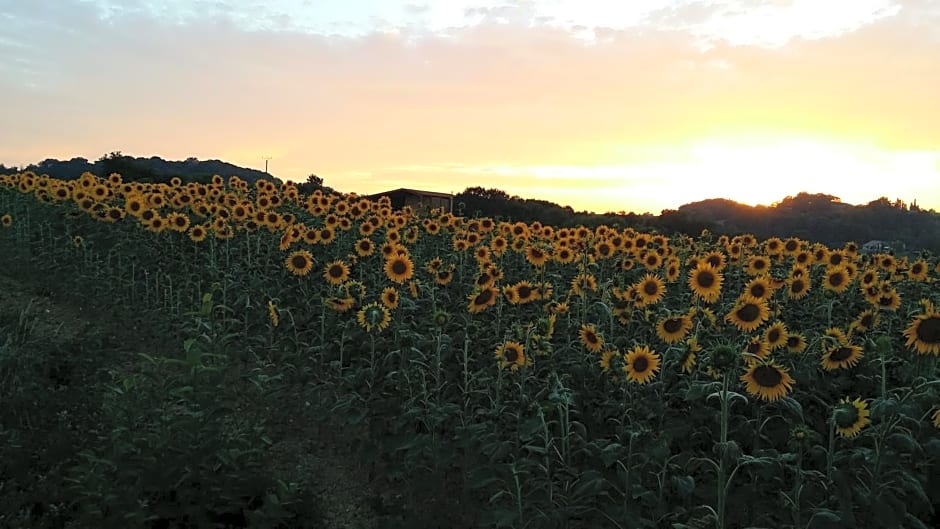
(627, 105)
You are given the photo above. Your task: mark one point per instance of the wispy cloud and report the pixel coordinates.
(553, 95)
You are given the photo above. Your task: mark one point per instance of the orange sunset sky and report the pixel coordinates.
(635, 105)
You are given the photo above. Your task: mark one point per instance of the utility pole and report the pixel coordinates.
(266, 158)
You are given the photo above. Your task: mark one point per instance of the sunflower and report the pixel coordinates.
(641, 364)
(758, 265)
(522, 292)
(511, 354)
(759, 288)
(197, 233)
(850, 416)
(399, 268)
(936, 419)
(336, 272)
(798, 287)
(705, 282)
(776, 335)
(581, 283)
(390, 297)
(340, 304)
(650, 290)
(865, 321)
(537, 256)
(748, 314)
(923, 334)
(373, 316)
(299, 262)
(767, 380)
(796, 343)
(842, 355)
(756, 347)
(889, 299)
(674, 328)
(272, 313)
(688, 358)
(482, 299)
(836, 279)
(606, 359)
(590, 339)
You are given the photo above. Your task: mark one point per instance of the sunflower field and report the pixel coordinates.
(493, 373)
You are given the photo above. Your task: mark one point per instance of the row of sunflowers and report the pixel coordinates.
(613, 318)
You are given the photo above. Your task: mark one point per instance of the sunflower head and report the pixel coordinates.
(767, 380)
(850, 416)
(373, 317)
(641, 364)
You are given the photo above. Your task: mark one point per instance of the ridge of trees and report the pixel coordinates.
(813, 217)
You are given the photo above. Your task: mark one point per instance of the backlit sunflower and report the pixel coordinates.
(776, 335)
(923, 334)
(748, 314)
(850, 417)
(273, 314)
(640, 364)
(590, 339)
(373, 317)
(336, 272)
(674, 328)
(399, 268)
(843, 355)
(299, 262)
(511, 354)
(836, 279)
(705, 282)
(796, 343)
(650, 290)
(767, 380)
(482, 299)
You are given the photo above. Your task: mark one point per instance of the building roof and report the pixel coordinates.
(411, 192)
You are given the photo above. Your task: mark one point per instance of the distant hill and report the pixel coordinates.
(153, 169)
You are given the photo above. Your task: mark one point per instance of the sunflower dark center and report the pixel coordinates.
(835, 259)
(483, 297)
(705, 279)
(841, 354)
(641, 364)
(511, 355)
(793, 341)
(867, 320)
(791, 246)
(846, 415)
(672, 325)
(524, 291)
(758, 290)
(748, 313)
(836, 279)
(399, 267)
(714, 260)
(336, 271)
(298, 261)
(798, 286)
(760, 264)
(929, 330)
(917, 269)
(767, 376)
(650, 288)
(773, 335)
(754, 348)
